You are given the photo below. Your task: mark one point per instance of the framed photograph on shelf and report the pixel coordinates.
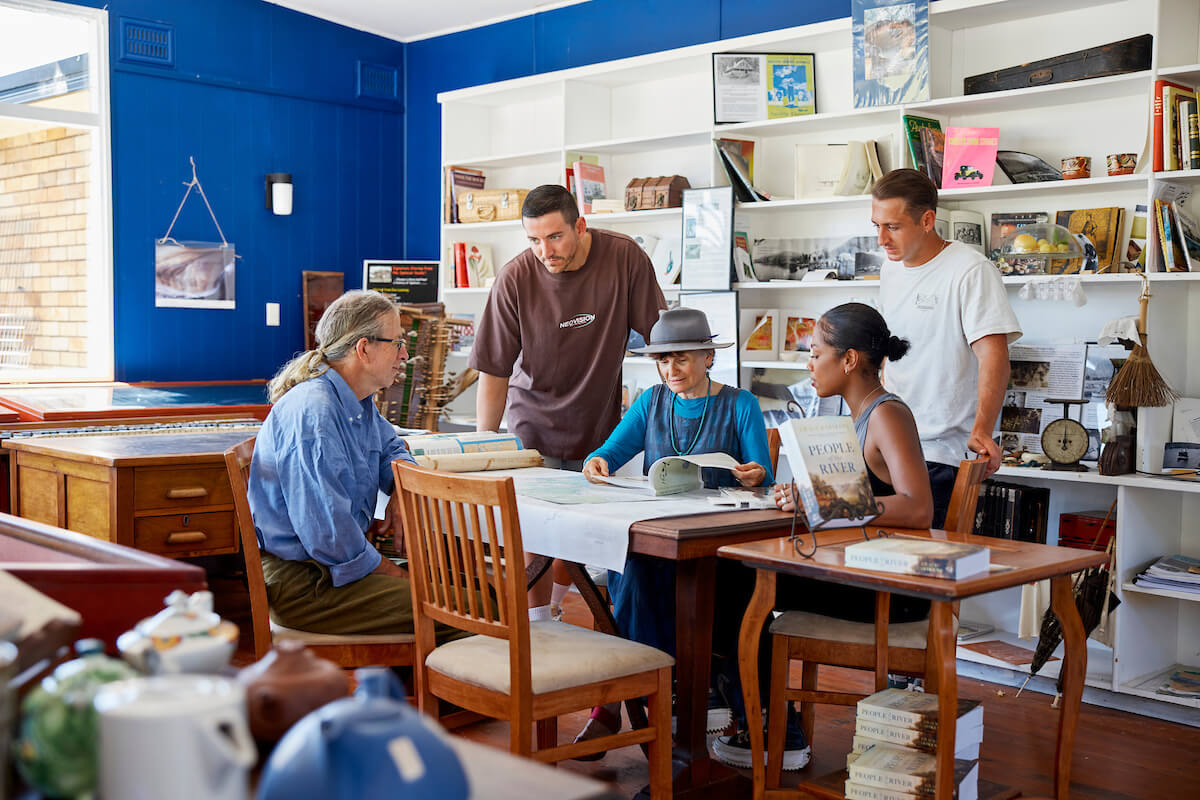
(707, 239)
(748, 87)
(797, 336)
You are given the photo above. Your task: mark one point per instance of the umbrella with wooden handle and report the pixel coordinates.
(1138, 382)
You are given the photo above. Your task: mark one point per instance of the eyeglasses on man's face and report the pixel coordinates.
(399, 341)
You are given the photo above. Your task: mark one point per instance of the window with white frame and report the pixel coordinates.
(55, 193)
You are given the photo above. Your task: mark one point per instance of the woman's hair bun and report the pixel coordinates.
(896, 348)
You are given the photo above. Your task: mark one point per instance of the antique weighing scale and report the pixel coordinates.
(1065, 441)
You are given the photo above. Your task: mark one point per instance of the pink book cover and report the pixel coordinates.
(970, 157)
(589, 185)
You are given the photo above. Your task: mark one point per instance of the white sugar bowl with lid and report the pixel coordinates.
(186, 636)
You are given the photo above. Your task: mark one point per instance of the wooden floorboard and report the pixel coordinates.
(1118, 755)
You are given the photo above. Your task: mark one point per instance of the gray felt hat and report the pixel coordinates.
(680, 329)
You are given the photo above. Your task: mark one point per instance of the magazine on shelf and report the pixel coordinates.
(829, 470)
(912, 135)
(737, 170)
(589, 183)
(970, 157)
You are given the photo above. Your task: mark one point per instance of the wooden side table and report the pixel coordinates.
(1013, 564)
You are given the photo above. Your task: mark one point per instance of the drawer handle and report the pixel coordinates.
(186, 537)
(187, 493)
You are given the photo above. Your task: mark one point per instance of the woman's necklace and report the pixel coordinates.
(863, 403)
(699, 426)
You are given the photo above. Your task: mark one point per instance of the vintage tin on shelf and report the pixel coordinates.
(490, 205)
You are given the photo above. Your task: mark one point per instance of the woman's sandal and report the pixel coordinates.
(602, 723)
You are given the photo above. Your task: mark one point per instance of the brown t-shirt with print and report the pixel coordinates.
(560, 340)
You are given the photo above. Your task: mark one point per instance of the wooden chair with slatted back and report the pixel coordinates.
(347, 651)
(513, 669)
(815, 639)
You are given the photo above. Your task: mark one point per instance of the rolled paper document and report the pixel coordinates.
(477, 462)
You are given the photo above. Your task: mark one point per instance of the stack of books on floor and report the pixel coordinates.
(895, 739)
(1178, 573)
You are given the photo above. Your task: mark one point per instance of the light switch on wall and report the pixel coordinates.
(273, 314)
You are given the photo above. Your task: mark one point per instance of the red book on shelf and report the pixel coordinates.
(461, 277)
(1157, 122)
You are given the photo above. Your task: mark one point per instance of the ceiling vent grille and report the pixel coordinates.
(378, 82)
(147, 42)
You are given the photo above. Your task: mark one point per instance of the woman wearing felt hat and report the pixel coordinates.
(687, 413)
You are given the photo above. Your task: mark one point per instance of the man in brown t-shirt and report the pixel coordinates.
(552, 337)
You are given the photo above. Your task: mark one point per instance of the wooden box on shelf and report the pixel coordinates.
(665, 191)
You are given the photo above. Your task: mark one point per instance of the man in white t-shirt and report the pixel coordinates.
(948, 300)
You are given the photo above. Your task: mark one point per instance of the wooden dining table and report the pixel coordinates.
(1013, 563)
(691, 542)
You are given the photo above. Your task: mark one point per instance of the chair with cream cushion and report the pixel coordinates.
(347, 651)
(816, 639)
(511, 668)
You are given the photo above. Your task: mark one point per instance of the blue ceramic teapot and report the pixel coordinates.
(373, 744)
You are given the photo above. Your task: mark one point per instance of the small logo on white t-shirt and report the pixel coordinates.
(578, 321)
(926, 302)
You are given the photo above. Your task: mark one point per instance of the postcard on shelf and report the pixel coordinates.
(674, 474)
(1100, 225)
(819, 169)
(925, 557)
(707, 238)
(967, 227)
(890, 43)
(970, 157)
(589, 182)
(759, 334)
(830, 473)
(749, 87)
(797, 337)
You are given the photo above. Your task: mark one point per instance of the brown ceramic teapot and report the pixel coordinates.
(286, 684)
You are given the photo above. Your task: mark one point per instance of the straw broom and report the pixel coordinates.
(1138, 382)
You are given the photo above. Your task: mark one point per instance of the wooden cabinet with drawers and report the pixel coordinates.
(164, 492)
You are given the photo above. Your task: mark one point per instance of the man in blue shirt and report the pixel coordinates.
(320, 460)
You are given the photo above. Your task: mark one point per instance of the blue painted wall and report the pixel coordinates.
(255, 89)
(600, 30)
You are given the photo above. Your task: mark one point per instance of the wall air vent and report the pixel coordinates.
(147, 42)
(378, 82)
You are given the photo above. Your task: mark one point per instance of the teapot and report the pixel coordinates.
(182, 737)
(373, 744)
(287, 683)
(186, 636)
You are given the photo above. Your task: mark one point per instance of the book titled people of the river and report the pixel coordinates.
(830, 473)
(928, 558)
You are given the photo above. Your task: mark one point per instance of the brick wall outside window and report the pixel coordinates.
(43, 249)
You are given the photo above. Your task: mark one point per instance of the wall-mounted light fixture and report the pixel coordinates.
(279, 192)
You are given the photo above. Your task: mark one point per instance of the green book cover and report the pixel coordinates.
(912, 132)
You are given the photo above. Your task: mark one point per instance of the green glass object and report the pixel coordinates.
(56, 749)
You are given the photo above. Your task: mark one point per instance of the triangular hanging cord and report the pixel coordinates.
(194, 183)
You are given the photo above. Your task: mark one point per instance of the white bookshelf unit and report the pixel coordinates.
(652, 115)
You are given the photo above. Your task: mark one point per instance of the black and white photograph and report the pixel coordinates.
(1031, 374)
(968, 233)
(790, 259)
(1014, 398)
(1020, 420)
